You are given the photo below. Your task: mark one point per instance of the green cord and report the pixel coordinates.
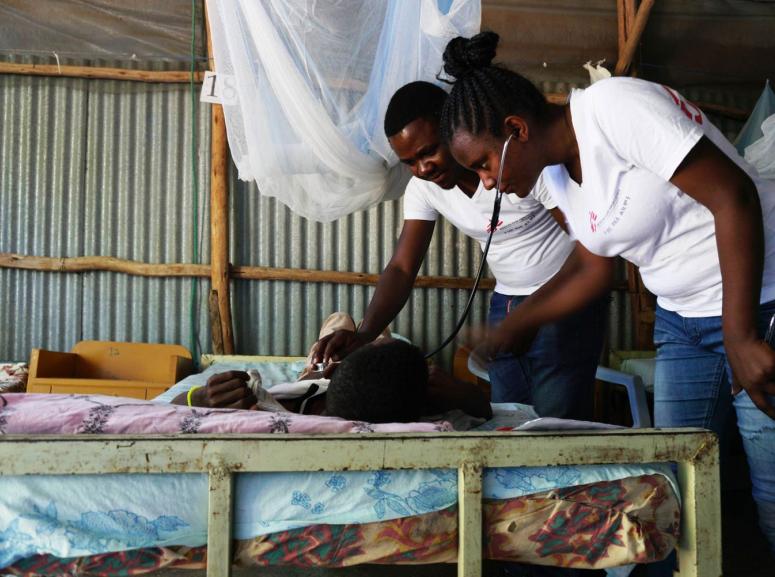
(195, 180)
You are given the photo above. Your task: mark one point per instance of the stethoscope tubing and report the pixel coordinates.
(496, 211)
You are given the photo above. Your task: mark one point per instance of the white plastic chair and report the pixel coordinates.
(636, 392)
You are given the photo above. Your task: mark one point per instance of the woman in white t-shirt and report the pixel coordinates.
(640, 172)
(528, 247)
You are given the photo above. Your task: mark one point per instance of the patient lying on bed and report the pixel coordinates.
(385, 381)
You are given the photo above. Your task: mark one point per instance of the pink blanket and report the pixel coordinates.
(79, 414)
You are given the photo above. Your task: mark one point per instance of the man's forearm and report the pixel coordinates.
(390, 296)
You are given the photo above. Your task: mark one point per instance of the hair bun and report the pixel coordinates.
(465, 55)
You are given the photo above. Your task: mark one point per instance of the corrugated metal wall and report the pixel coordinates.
(105, 168)
(97, 168)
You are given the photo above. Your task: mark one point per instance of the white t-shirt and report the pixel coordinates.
(528, 246)
(632, 135)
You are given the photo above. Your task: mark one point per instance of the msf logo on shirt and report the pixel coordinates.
(593, 221)
(488, 228)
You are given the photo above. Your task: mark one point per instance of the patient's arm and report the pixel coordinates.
(227, 390)
(446, 393)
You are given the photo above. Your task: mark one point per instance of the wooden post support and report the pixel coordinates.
(216, 329)
(219, 215)
(219, 225)
(633, 34)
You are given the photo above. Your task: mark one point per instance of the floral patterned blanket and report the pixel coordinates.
(66, 414)
(605, 524)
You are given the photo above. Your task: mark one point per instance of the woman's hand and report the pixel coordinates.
(509, 337)
(336, 346)
(226, 391)
(445, 393)
(753, 369)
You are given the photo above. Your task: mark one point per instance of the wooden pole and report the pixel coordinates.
(621, 26)
(101, 263)
(219, 212)
(216, 329)
(627, 53)
(106, 263)
(111, 264)
(171, 76)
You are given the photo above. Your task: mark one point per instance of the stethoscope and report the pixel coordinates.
(496, 211)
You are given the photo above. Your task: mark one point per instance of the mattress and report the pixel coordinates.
(604, 524)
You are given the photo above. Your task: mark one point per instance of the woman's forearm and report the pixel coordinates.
(740, 242)
(583, 278)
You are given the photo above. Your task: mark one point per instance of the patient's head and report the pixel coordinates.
(379, 383)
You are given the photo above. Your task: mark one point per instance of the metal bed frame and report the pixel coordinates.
(695, 452)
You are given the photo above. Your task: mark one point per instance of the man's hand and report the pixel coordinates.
(337, 345)
(753, 369)
(226, 391)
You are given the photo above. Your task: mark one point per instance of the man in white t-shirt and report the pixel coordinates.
(528, 248)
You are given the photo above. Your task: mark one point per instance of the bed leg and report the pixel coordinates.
(699, 547)
(469, 490)
(219, 522)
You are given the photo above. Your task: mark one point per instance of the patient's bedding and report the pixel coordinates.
(532, 514)
(633, 520)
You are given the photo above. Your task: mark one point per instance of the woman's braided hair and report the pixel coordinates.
(483, 94)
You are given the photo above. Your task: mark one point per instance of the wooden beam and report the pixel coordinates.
(105, 263)
(633, 38)
(168, 76)
(219, 213)
(355, 278)
(101, 263)
(82, 264)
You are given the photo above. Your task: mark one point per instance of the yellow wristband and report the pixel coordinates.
(191, 392)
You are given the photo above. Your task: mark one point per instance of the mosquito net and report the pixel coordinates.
(305, 83)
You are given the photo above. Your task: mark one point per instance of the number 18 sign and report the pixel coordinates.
(218, 88)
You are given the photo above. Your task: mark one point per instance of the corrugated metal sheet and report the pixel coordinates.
(97, 168)
(104, 168)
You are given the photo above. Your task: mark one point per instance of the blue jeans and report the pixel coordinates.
(557, 374)
(692, 388)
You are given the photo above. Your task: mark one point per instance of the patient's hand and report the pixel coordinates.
(337, 345)
(226, 391)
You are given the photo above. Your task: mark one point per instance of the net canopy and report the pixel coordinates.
(305, 85)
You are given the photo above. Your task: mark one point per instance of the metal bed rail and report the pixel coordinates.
(695, 452)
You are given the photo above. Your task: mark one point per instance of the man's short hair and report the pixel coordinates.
(382, 383)
(412, 101)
